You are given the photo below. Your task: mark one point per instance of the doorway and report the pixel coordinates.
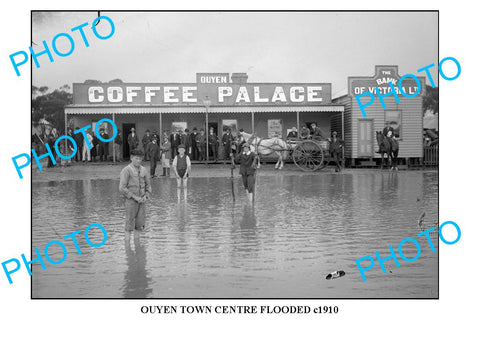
(365, 138)
(215, 127)
(125, 132)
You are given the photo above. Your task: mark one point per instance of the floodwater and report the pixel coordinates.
(302, 227)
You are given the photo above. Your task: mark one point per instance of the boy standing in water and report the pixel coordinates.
(136, 188)
(248, 164)
(181, 167)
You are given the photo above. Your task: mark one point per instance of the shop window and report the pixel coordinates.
(393, 118)
(275, 128)
(177, 126)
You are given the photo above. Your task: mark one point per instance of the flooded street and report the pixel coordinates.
(301, 228)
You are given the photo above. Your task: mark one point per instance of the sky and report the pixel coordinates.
(283, 47)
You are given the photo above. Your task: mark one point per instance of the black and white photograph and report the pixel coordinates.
(219, 170)
(242, 211)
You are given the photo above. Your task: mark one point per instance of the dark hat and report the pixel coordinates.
(194, 129)
(147, 130)
(181, 146)
(136, 152)
(187, 130)
(245, 144)
(101, 129)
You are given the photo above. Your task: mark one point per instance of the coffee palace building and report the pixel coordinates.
(221, 100)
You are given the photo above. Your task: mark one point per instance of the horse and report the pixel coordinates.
(267, 146)
(390, 147)
(394, 148)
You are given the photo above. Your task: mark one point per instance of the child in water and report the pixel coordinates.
(181, 167)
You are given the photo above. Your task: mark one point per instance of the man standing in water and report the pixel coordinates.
(181, 167)
(248, 166)
(136, 188)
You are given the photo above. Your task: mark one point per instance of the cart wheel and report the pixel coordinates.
(327, 158)
(308, 156)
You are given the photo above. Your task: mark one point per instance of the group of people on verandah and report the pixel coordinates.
(165, 148)
(195, 143)
(87, 149)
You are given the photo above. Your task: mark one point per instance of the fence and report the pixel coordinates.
(430, 155)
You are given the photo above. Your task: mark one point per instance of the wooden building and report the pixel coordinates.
(406, 117)
(215, 100)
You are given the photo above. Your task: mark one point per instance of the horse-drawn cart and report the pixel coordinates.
(307, 154)
(310, 154)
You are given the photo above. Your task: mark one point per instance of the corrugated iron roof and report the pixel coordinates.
(106, 109)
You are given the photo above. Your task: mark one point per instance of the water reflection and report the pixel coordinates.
(137, 281)
(300, 228)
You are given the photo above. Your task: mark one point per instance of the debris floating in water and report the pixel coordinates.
(420, 221)
(335, 275)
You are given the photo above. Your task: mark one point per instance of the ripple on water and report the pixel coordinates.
(302, 228)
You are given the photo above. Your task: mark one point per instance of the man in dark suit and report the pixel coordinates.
(213, 144)
(185, 140)
(145, 141)
(175, 142)
(79, 141)
(193, 143)
(227, 140)
(132, 140)
(103, 146)
(336, 147)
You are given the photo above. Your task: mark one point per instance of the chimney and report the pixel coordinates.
(239, 78)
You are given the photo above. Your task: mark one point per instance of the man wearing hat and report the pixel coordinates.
(316, 132)
(201, 145)
(336, 147)
(193, 143)
(388, 130)
(132, 140)
(174, 142)
(103, 146)
(248, 164)
(145, 141)
(135, 187)
(227, 141)
(156, 136)
(185, 140)
(153, 150)
(304, 132)
(213, 144)
(293, 134)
